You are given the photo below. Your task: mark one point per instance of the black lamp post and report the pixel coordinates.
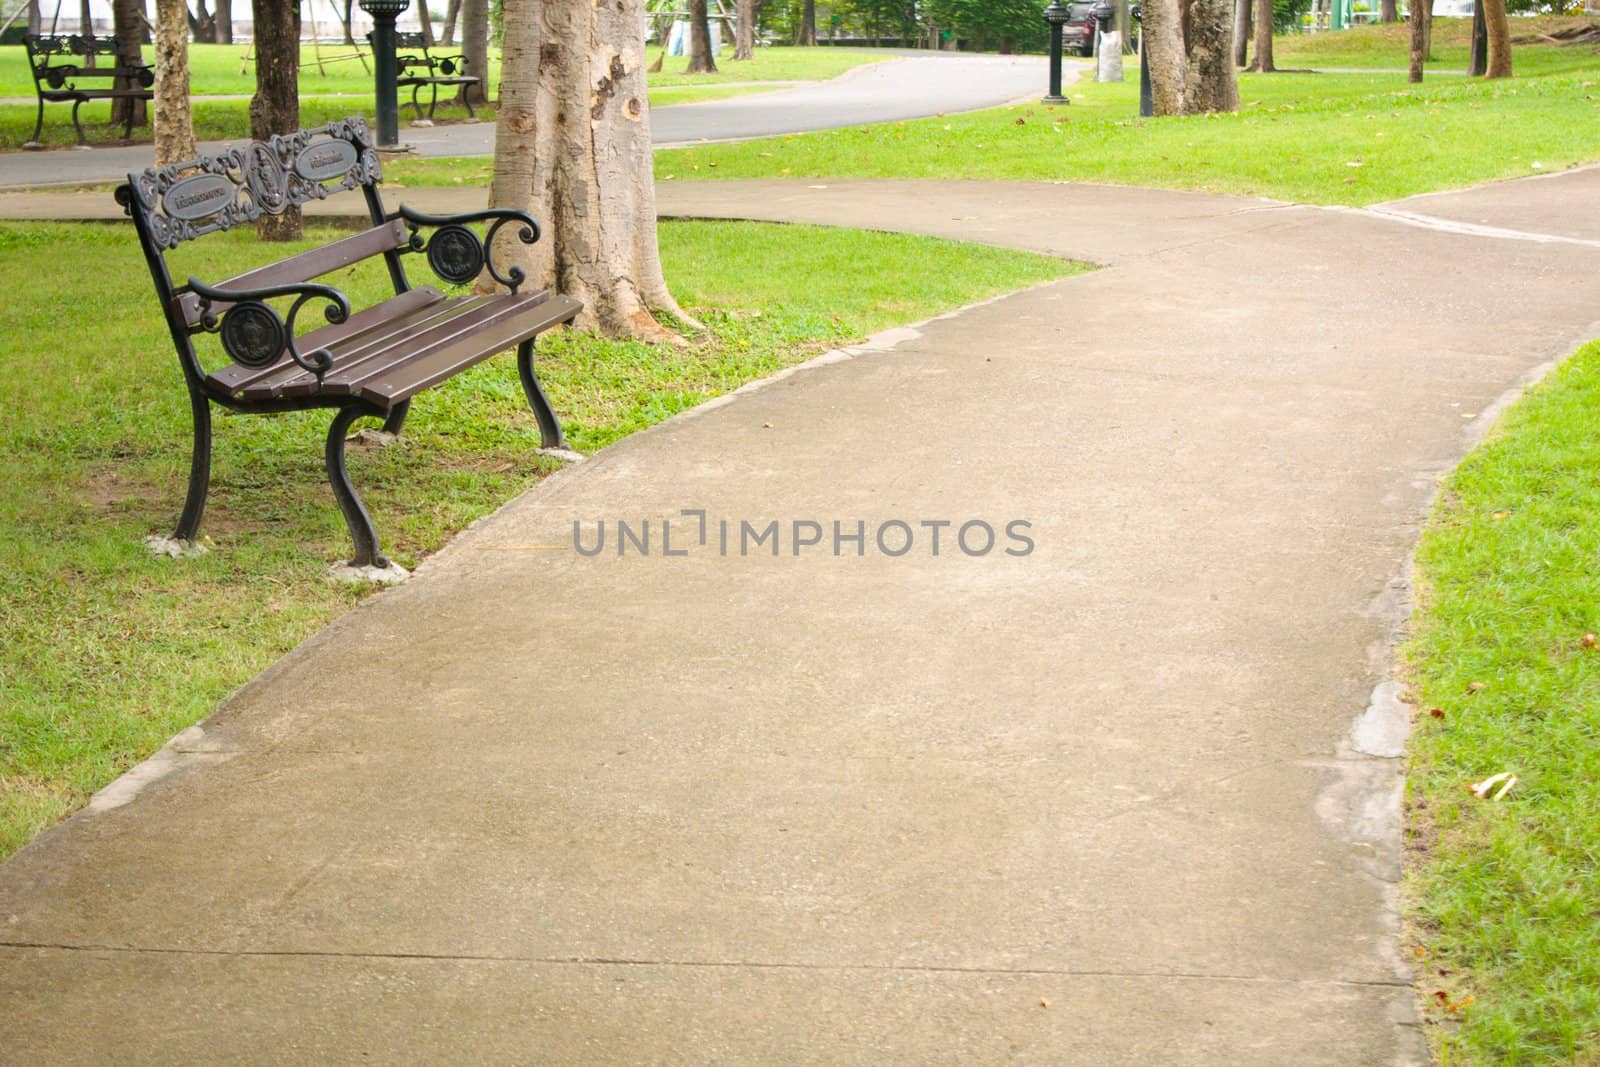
(1056, 16)
(383, 13)
(1147, 106)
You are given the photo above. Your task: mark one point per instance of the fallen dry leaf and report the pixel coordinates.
(1482, 790)
(1437, 713)
(1473, 687)
(1044, 1002)
(1589, 640)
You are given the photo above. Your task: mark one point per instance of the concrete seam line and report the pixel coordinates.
(1464, 229)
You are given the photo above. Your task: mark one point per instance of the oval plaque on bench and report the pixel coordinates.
(198, 197)
(325, 160)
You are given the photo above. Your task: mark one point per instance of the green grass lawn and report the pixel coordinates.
(110, 651)
(1504, 896)
(1374, 47)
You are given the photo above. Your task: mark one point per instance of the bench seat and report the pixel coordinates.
(388, 353)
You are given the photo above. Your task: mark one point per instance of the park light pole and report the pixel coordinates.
(1147, 107)
(1056, 16)
(387, 103)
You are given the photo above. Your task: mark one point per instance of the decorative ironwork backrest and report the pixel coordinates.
(186, 200)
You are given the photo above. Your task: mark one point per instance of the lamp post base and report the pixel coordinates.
(1055, 100)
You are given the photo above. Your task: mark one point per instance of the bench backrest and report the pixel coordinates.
(55, 59)
(417, 43)
(171, 205)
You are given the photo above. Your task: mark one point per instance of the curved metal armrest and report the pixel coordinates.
(253, 334)
(457, 253)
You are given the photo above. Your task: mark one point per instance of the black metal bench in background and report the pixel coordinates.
(416, 67)
(62, 72)
(363, 363)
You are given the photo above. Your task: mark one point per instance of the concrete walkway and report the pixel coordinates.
(906, 85)
(1105, 802)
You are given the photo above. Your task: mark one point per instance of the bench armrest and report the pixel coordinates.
(254, 335)
(457, 254)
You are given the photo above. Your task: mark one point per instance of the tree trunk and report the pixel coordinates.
(427, 22)
(1478, 52)
(701, 61)
(450, 14)
(808, 23)
(1213, 85)
(1499, 31)
(130, 29)
(1419, 39)
(1263, 60)
(275, 108)
(744, 42)
(201, 22)
(224, 21)
(35, 23)
(174, 126)
(475, 47)
(1389, 11)
(349, 35)
(1242, 12)
(1427, 35)
(86, 27)
(1162, 34)
(572, 146)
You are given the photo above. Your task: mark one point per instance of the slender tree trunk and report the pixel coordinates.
(275, 108)
(349, 34)
(744, 43)
(86, 26)
(451, 12)
(1499, 30)
(1163, 36)
(35, 23)
(1388, 11)
(427, 22)
(1419, 38)
(1263, 60)
(1242, 12)
(808, 23)
(572, 146)
(130, 30)
(224, 21)
(475, 47)
(701, 61)
(1213, 85)
(1427, 35)
(174, 126)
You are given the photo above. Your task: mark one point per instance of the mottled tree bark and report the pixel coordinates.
(572, 146)
(174, 125)
(808, 23)
(1242, 12)
(475, 47)
(1499, 30)
(1419, 39)
(701, 61)
(1212, 83)
(129, 20)
(275, 108)
(744, 41)
(1162, 35)
(1263, 60)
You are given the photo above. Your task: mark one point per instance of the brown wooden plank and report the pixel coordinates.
(307, 265)
(378, 317)
(408, 379)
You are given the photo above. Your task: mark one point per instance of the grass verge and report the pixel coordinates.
(1316, 138)
(109, 651)
(1502, 893)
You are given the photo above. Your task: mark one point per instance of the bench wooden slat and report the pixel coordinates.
(235, 377)
(306, 266)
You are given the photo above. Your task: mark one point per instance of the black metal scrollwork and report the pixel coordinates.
(453, 247)
(252, 332)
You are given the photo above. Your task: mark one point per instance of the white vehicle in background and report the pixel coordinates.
(1455, 9)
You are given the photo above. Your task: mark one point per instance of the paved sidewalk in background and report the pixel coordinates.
(907, 85)
(1097, 804)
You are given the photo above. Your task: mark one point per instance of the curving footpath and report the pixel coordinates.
(1128, 798)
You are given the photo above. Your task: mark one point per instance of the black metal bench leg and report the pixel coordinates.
(76, 104)
(355, 515)
(466, 98)
(417, 107)
(397, 418)
(433, 100)
(194, 504)
(550, 435)
(38, 126)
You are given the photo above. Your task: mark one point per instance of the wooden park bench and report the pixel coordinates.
(367, 362)
(417, 67)
(62, 71)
